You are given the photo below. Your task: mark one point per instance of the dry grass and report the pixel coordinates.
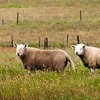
(52, 22)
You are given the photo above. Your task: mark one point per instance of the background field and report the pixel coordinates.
(53, 19)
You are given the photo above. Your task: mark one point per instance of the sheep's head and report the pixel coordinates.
(20, 49)
(79, 49)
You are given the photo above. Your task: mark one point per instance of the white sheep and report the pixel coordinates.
(90, 56)
(34, 59)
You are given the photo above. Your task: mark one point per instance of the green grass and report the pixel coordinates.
(16, 84)
(53, 19)
(13, 6)
(46, 3)
(51, 24)
(50, 86)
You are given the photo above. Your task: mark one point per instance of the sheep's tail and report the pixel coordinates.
(71, 63)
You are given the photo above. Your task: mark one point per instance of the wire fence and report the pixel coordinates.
(54, 41)
(45, 42)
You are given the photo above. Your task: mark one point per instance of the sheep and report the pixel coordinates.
(34, 59)
(90, 56)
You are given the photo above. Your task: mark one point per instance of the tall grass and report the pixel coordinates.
(53, 19)
(16, 84)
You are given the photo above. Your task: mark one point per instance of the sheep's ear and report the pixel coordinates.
(26, 45)
(15, 44)
(84, 46)
(72, 46)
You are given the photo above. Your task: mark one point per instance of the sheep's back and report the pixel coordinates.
(49, 57)
(91, 56)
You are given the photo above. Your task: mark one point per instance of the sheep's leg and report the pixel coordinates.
(91, 70)
(30, 70)
(91, 66)
(47, 69)
(25, 66)
(33, 71)
(60, 70)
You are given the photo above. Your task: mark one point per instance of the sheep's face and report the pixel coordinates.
(20, 49)
(79, 49)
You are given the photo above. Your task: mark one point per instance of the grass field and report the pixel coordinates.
(16, 84)
(53, 19)
(49, 19)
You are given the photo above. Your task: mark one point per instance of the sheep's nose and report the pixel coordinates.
(17, 54)
(76, 53)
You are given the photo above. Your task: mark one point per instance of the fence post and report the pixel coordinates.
(80, 15)
(78, 40)
(2, 22)
(39, 42)
(17, 18)
(46, 43)
(67, 40)
(12, 40)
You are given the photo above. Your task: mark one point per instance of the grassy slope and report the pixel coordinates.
(53, 19)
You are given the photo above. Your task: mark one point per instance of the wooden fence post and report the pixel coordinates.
(2, 22)
(46, 43)
(80, 15)
(67, 40)
(17, 18)
(78, 40)
(39, 42)
(12, 40)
